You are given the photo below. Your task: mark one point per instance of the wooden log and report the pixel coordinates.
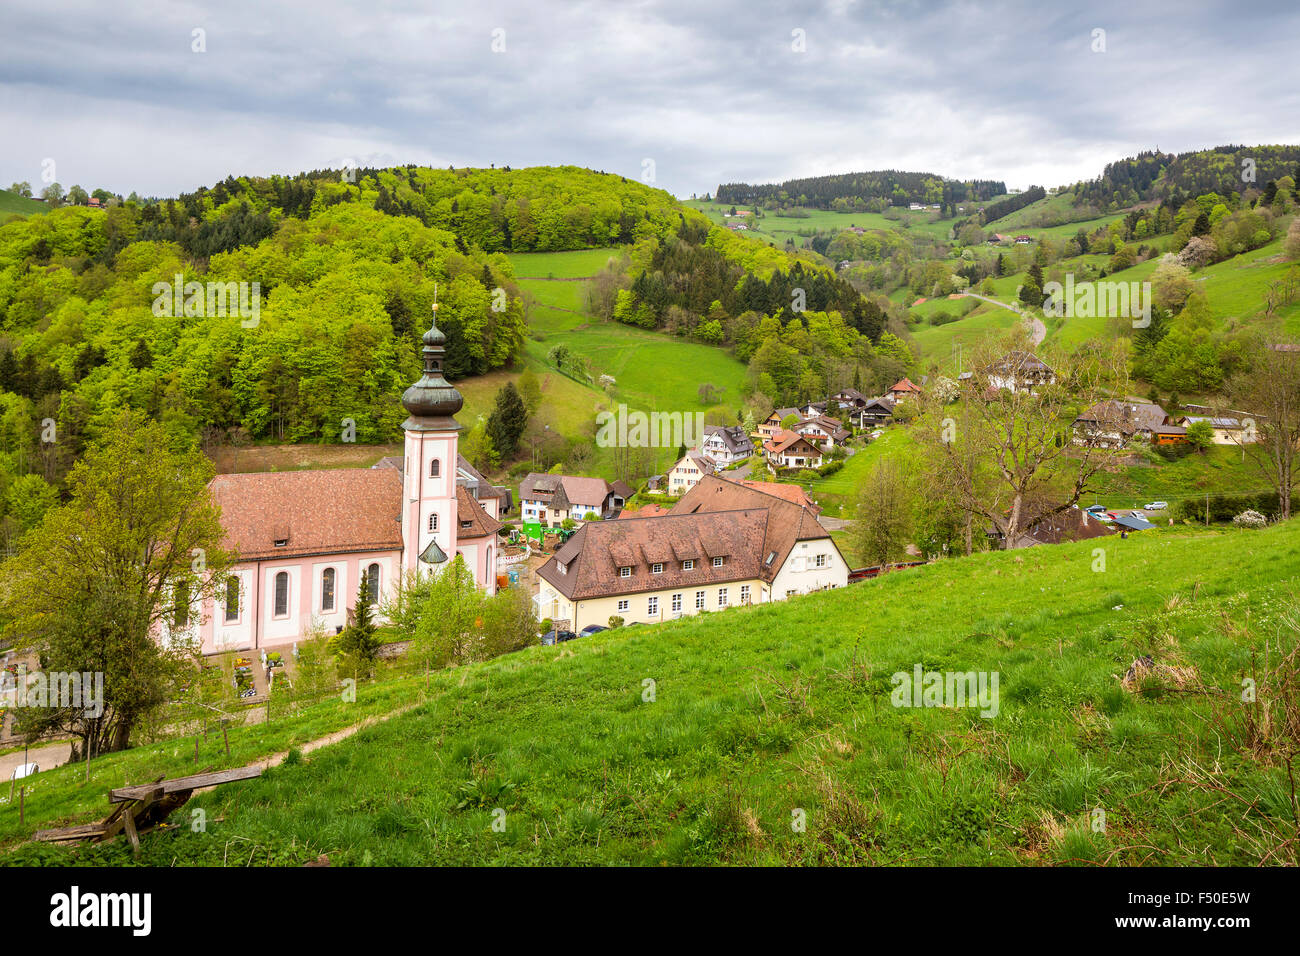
(85, 831)
(195, 782)
(129, 819)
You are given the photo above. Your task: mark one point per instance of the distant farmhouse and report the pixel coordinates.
(550, 499)
(1227, 431)
(1113, 424)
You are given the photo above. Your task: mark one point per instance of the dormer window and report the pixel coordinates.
(688, 564)
(624, 572)
(657, 568)
(281, 542)
(563, 568)
(717, 562)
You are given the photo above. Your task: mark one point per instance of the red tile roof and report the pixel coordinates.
(313, 512)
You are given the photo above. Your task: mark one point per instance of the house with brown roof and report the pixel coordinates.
(769, 426)
(306, 539)
(723, 545)
(684, 475)
(1072, 524)
(824, 431)
(1019, 371)
(726, 444)
(550, 499)
(789, 449)
(1113, 424)
(903, 389)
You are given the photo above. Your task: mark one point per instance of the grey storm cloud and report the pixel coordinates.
(709, 92)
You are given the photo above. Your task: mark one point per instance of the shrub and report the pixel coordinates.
(1250, 519)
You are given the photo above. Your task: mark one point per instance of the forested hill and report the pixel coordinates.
(1158, 176)
(539, 209)
(861, 192)
(335, 273)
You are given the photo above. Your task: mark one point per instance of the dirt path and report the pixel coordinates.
(275, 759)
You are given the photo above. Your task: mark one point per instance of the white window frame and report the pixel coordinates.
(288, 596)
(723, 596)
(657, 568)
(717, 562)
(688, 564)
(677, 604)
(624, 572)
(652, 605)
(700, 598)
(622, 607)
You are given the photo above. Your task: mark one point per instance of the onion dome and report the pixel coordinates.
(433, 396)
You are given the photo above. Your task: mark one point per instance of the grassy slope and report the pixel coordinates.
(587, 770)
(1235, 289)
(774, 228)
(13, 204)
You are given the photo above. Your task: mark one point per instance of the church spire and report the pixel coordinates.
(433, 396)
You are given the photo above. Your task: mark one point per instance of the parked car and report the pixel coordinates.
(1095, 509)
(1156, 505)
(591, 629)
(566, 636)
(554, 637)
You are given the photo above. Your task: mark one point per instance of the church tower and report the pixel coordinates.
(429, 520)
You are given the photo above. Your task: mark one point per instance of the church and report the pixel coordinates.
(305, 539)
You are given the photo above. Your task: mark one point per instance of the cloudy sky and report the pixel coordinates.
(162, 96)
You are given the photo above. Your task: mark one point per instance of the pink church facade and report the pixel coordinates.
(305, 539)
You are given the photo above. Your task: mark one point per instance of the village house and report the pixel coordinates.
(770, 426)
(305, 539)
(550, 499)
(726, 444)
(1112, 424)
(684, 475)
(824, 431)
(877, 412)
(903, 389)
(1072, 524)
(789, 449)
(724, 544)
(1227, 431)
(1019, 371)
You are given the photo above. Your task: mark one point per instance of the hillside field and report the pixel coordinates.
(13, 204)
(699, 741)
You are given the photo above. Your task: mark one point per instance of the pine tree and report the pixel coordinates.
(507, 421)
(358, 644)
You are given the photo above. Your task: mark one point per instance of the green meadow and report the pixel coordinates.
(773, 734)
(12, 204)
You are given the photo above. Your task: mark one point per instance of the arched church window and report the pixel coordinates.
(433, 523)
(435, 468)
(327, 590)
(232, 599)
(372, 578)
(281, 594)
